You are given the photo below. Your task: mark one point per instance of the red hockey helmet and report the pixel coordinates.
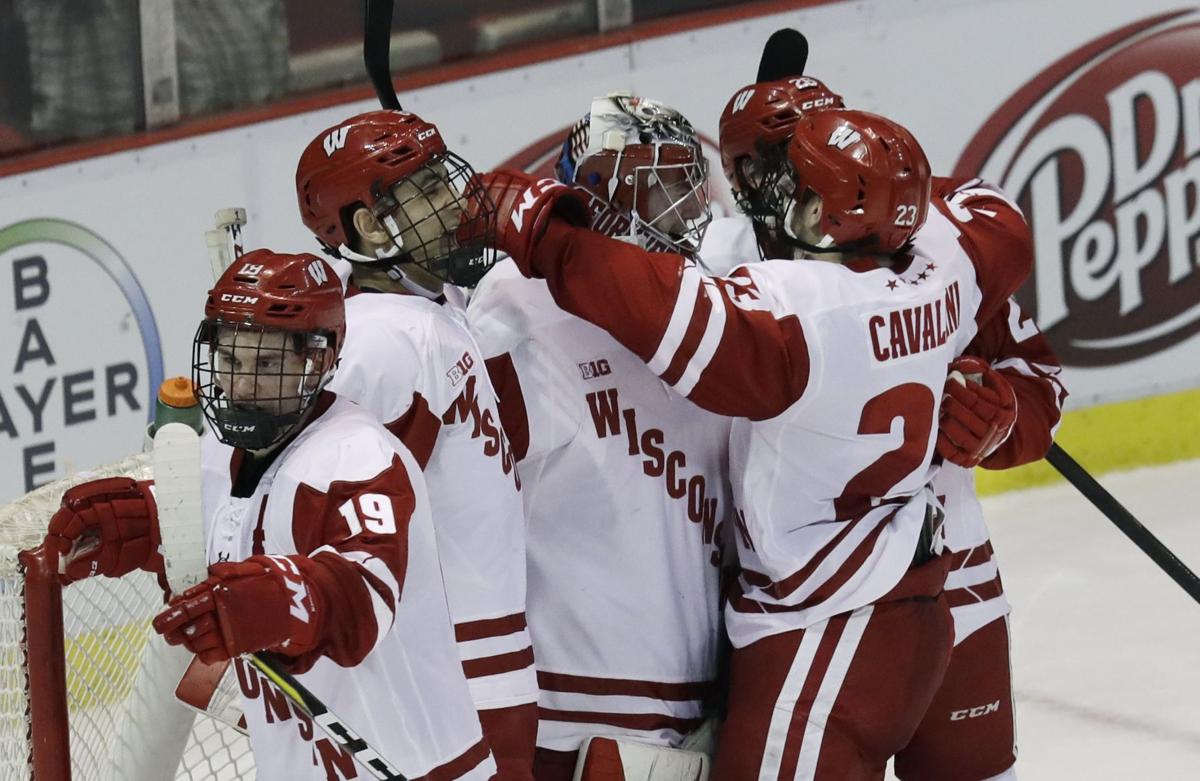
(272, 331)
(359, 162)
(871, 174)
(760, 116)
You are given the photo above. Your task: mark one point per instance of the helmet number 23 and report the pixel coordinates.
(906, 215)
(375, 511)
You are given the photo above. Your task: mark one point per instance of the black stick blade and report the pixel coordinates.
(377, 44)
(784, 56)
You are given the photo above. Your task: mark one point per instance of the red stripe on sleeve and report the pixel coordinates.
(760, 366)
(381, 508)
(1034, 379)
(995, 237)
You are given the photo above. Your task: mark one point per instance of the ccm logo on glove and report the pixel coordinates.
(529, 198)
(294, 582)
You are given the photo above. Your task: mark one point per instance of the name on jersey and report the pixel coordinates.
(657, 460)
(336, 761)
(901, 333)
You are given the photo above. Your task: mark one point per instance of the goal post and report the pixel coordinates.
(86, 686)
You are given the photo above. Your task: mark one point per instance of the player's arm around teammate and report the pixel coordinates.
(780, 344)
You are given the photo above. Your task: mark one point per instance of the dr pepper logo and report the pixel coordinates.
(1102, 151)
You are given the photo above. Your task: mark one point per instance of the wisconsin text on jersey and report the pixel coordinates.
(607, 415)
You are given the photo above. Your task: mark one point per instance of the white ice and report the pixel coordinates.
(1106, 648)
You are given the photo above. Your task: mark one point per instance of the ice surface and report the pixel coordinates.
(1106, 648)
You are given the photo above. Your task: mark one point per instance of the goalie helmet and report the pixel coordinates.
(396, 165)
(871, 174)
(643, 171)
(272, 330)
(757, 122)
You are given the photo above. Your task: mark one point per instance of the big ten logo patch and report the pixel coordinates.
(335, 761)
(81, 352)
(485, 425)
(1102, 153)
(658, 460)
(591, 370)
(460, 369)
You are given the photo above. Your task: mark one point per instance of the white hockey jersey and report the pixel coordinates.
(346, 491)
(836, 375)
(626, 493)
(415, 366)
(1016, 348)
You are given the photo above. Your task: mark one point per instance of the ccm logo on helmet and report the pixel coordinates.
(237, 298)
(812, 105)
(335, 140)
(424, 134)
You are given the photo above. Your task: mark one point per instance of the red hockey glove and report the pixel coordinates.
(264, 603)
(105, 527)
(524, 207)
(978, 412)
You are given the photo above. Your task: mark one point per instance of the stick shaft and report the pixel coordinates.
(330, 724)
(1124, 520)
(377, 44)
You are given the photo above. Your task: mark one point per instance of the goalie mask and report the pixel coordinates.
(396, 165)
(273, 327)
(644, 173)
(871, 175)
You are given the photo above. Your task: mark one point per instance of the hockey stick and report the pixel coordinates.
(225, 240)
(784, 56)
(377, 45)
(176, 459)
(326, 719)
(1167, 561)
(177, 496)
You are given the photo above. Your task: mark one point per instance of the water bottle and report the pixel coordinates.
(176, 403)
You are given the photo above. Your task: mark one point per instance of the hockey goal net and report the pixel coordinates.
(83, 692)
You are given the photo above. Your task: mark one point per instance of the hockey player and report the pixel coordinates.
(840, 630)
(319, 539)
(1004, 406)
(625, 485)
(382, 192)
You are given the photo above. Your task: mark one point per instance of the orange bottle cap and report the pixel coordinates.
(177, 392)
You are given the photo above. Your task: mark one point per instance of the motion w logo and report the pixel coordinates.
(742, 99)
(335, 140)
(844, 136)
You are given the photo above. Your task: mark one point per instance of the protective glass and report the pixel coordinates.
(256, 384)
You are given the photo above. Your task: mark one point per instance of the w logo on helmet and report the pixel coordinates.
(335, 140)
(742, 100)
(844, 136)
(317, 271)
